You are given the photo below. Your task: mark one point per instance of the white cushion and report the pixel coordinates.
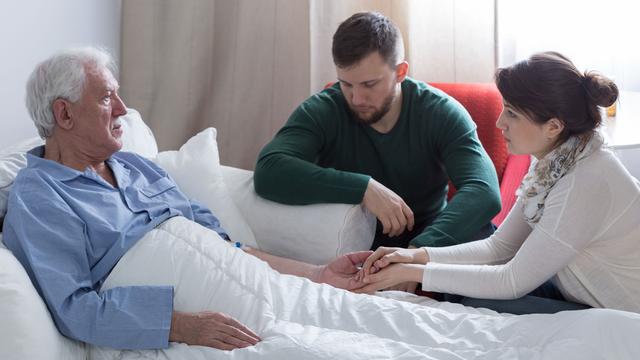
(311, 233)
(27, 330)
(136, 137)
(196, 170)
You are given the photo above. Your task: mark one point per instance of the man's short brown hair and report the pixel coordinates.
(364, 33)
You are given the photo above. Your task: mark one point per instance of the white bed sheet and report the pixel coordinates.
(298, 319)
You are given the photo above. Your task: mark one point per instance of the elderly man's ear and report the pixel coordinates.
(61, 112)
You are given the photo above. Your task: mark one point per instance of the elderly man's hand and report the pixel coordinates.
(342, 271)
(394, 214)
(212, 329)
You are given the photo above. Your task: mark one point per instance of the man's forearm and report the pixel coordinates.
(290, 180)
(466, 213)
(287, 266)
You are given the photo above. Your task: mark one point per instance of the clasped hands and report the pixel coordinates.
(390, 268)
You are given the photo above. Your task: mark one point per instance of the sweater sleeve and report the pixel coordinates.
(286, 171)
(477, 199)
(566, 228)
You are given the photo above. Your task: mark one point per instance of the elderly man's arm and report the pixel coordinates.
(341, 272)
(50, 241)
(203, 216)
(131, 317)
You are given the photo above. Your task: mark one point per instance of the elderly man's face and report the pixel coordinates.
(96, 114)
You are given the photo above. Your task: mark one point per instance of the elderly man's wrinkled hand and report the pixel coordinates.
(212, 329)
(342, 271)
(394, 214)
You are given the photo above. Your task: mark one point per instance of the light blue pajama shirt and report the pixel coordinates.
(69, 228)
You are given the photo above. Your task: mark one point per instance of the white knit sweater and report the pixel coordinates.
(587, 241)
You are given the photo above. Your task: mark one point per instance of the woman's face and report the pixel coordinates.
(525, 136)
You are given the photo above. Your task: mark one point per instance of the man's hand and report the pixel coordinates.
(391, 276)
(342, 271)
(394, 214)
(211, 329)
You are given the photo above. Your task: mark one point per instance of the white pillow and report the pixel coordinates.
(12, 160)
(27, 331)
(314, 234)
(136, 137)
(196, 170)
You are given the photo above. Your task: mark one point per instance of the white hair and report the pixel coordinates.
(62, 76)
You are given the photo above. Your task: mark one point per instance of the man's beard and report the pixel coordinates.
(376, 116)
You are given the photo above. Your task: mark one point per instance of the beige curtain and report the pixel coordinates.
(242, 66)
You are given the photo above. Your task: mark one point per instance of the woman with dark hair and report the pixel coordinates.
(572, 240)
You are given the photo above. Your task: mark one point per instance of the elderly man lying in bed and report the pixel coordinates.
(80, 206)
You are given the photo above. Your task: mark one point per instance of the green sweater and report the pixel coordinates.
(321, 155)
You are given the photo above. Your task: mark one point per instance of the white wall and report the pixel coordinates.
(30, 31)
(630, 157)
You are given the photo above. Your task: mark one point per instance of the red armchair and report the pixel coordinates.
(484, 104)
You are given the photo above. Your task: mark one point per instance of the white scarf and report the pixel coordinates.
(546, 172)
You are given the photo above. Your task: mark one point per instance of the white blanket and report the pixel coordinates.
(298, 319)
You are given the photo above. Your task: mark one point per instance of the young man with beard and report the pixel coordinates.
(380, 138)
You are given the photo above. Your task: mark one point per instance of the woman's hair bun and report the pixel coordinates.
(601, 90)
